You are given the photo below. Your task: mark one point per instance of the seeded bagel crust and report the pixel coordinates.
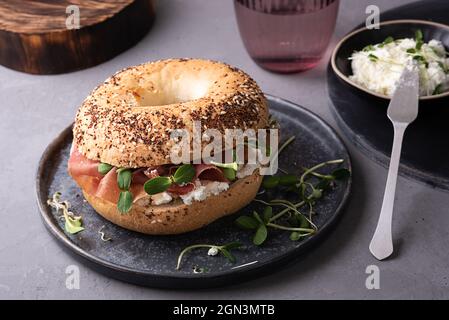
(127, 120)
(175, 218)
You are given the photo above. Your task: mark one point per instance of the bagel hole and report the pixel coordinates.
(178, 90)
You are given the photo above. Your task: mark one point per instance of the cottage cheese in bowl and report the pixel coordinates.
(378, 67)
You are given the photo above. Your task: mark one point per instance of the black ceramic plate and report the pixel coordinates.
(151, 260)
(398, 29)
(363, 119)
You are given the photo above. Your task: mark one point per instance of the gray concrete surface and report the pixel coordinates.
(33, 110)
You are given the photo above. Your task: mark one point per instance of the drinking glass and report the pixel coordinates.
(286, 36)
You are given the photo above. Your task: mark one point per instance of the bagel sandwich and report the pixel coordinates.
(121, 156)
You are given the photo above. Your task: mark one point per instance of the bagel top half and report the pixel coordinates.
(127, 120)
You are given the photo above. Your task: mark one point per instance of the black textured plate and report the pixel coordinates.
(363, 117)
(151, 260)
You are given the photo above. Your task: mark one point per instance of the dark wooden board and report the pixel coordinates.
(34, 37)
(363, 118)
(151, 260)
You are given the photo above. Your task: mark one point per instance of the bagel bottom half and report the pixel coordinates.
(175, 218)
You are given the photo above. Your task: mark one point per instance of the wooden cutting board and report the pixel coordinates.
(42, 36)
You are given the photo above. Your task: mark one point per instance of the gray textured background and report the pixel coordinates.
(34, 109)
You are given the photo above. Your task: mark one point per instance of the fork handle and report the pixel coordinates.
(381, 245)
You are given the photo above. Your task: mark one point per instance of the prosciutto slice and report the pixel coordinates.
(80, 165)
(139, 176)
(181, 190)
(85, 173)
(209, 172)
(108, 188)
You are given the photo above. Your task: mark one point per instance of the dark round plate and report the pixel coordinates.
(363, 117)
(151, 260)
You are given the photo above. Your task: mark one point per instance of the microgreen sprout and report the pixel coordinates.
(103, 236)
(373, 57)
(369, 48)
(213, 250)
(229, 169)
(73, 224)
(104, 168)
(125, 200)
(291, 218)
(438, 89)
(184, 174)
(388, 40)
(419, 39)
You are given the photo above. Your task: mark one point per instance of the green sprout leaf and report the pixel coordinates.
(373, 57)
(261, 235)
(271, 182)
(232, 245)
(73, 224)
(288, 180)
(246, 222)
(157, 185)
(303, 222)
(419, 45)
(227, 254)
(438, 89)
(419, 38)
(368, 48)
(104, 168)
(295, 236)
(229, 173)
(302, 189)
(419, 58)
(341, 174)
(267, 214)
(323, 185)
(411, 51)
(125, 201)
(124, 177)
(184, 174)
(257, 217)
(419, 35)
(299, 221)
(233, 165)
(386, 41)
(316, 194)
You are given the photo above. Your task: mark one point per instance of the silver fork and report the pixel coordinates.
(402, 111)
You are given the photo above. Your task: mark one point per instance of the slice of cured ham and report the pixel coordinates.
(209, 172)
(79, 165)
(181, 190)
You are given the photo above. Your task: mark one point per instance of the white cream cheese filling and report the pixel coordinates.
(161, 198)
(202, 191)
(379, 67)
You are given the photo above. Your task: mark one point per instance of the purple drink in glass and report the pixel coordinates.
(286, 36)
